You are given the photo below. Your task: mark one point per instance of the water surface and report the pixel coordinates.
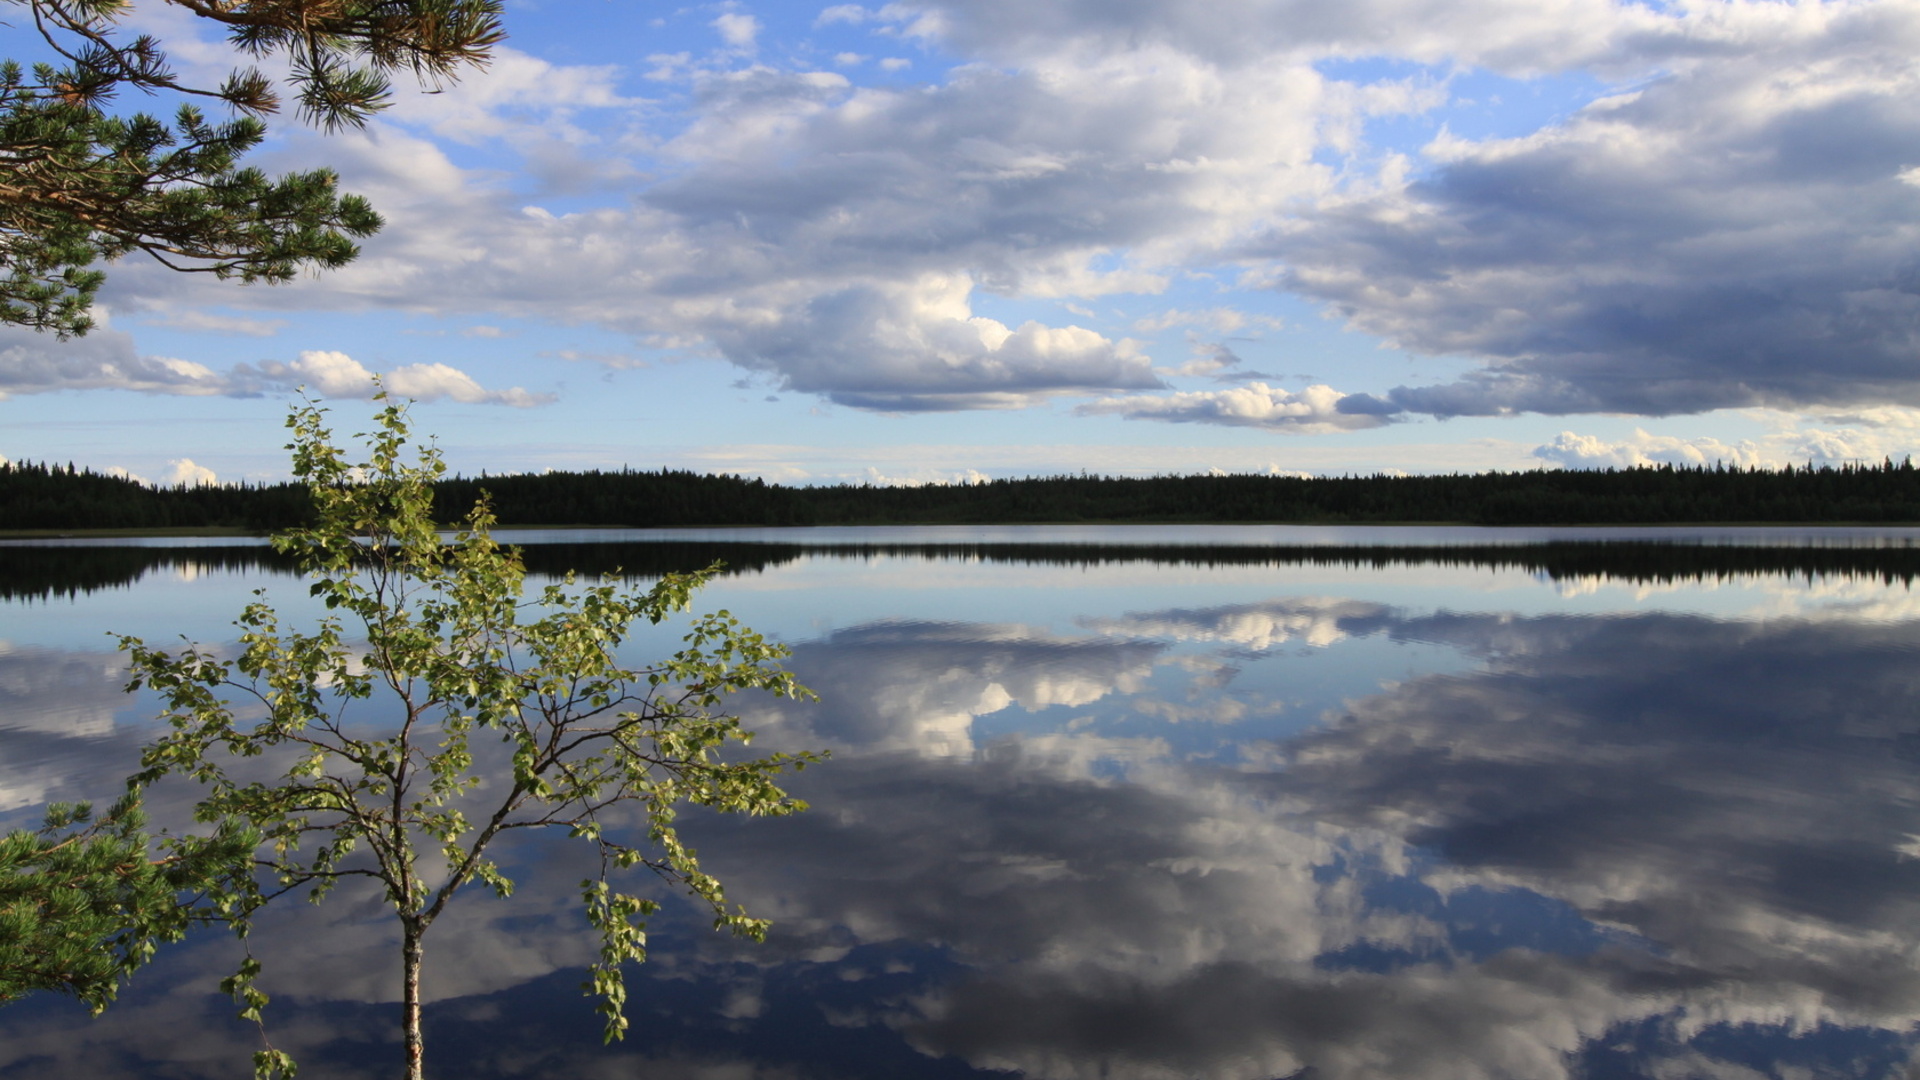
(1242, 803)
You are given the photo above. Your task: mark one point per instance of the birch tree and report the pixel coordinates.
(370, 725)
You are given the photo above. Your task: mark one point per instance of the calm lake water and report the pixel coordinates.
(1236, 803)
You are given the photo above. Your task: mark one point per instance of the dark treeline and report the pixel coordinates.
(41, 496)
(51, 497)
(43, 573)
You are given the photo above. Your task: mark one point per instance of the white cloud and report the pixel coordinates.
(185, 471)
(1315, 409)
(208, 322)
(334, 374)
(1587, 452)
(105, 359)
(1734, 229)
(1208, 360)
(329, 373)
(917, 346)
(1866, 436)
(1734, 233)
(842, 13)
(839, 463)
(428, 382)
(924, 477)
(516, 96)
(1219, 320)
(737, 30)
(1514, 36)
(835, 236)
(617, 361)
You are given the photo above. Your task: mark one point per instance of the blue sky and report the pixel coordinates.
(935, 239)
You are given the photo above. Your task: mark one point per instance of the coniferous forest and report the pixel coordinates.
(59, 498)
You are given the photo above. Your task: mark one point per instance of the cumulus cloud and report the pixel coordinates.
(737, 30)
(1856, 435)
(105, 359)
(918, 347)
(1211, 360)
(34, 363)
(1587, 452)
(1735, 228)
(841, 13)
(180, 472)
(838, 237)
(185, 471)
(619, 361)
(1220, 320)
(516, 96)
(337, 375)
(1828, 438)
(1313, 410)
(1515, 36)
(1735, 232)
(924, 477)
(208, 322)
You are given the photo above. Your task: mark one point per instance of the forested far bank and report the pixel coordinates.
(47, 497)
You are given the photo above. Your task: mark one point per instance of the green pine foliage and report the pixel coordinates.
(82, 184)
(86, 187)
(83, 902)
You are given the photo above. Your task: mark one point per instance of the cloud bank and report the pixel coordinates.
(107, 359)
(1735, 226)
(1257, 405)
(1736, 232)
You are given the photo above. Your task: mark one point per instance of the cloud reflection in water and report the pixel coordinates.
(1650, 844)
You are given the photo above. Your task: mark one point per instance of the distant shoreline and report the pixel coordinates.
(216, 532)
(48, 502)
(131, 534)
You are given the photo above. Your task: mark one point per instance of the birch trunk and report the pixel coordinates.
(413, 951)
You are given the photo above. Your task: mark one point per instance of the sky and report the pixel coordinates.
(941, 240)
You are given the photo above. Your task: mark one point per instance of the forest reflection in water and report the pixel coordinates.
(41, 570)
(1218, 812)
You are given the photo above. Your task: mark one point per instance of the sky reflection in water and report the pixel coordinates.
(1152, 819)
